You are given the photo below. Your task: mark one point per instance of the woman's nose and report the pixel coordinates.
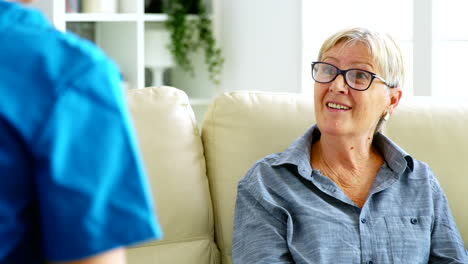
(339, 85)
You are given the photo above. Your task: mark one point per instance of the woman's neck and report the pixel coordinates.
(352, 163)
(345, 151)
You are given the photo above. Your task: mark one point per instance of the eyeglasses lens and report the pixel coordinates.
(356, 79)
(323, 72)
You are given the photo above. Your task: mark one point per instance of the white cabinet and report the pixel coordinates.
(120, 32)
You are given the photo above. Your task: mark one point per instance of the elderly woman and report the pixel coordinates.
(343, 192)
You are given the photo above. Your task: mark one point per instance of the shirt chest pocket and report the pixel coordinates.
(409, 238)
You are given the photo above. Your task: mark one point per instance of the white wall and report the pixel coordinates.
(46, 6)
(52, 10)
(261, 42)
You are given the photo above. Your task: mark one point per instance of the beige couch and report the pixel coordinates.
(194, 178)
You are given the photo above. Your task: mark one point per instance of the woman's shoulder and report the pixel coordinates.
(274, 176)
(421, 171)
(277, 168)
(261, 168)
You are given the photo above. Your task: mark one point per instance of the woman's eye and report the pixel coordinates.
(362, 75)
(328, 70)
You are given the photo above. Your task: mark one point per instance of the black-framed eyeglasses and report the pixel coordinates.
(356, 79)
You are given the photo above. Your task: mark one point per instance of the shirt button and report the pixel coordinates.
(414, 221)
(363, 220)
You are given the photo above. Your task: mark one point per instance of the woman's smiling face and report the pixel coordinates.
(340, 110)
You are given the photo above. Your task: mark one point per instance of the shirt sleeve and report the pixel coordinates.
(93, 194)
(446, 243)
(259, 235)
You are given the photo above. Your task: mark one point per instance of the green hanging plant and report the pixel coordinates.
(188, 34)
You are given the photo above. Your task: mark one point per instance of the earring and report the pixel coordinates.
(386, 116)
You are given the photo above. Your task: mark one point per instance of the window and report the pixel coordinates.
(449, 48)
(430, 33)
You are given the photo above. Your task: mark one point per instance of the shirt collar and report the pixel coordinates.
(396, 158)
(298, 153)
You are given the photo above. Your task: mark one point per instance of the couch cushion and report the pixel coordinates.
(242, 127)
(173, 154)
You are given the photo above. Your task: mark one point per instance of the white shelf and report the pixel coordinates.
(122, 37)
(96, 17)
(116, 17)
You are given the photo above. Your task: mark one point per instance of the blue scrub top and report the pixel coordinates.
(72, 183)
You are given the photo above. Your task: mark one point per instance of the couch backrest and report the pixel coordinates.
(242, 127)
(172, 150)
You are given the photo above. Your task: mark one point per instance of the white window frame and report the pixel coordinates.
(422, 47)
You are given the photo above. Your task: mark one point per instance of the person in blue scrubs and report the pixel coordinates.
(72, 184)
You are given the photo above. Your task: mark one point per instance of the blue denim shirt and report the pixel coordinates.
(288, 212)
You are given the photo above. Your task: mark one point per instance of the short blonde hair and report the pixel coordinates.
(384, 51)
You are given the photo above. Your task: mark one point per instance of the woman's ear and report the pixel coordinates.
(395, 96)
